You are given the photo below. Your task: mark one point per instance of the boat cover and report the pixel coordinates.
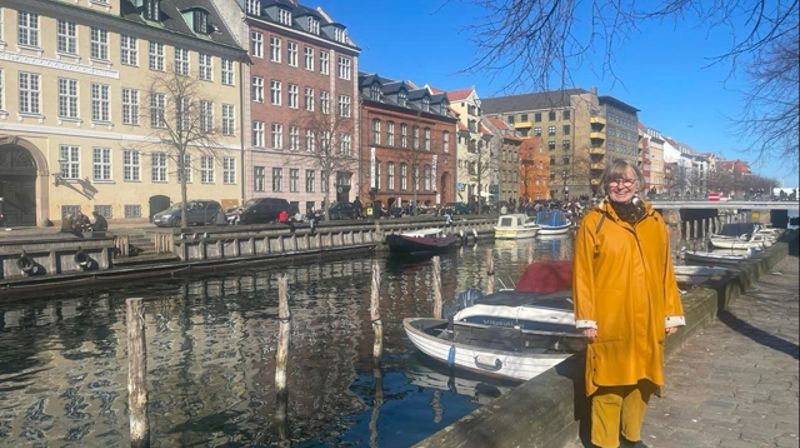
(546, 277)
(552, 218)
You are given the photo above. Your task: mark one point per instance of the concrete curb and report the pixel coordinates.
(548, 410)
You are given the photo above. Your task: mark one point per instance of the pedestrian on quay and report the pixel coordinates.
(626, 302)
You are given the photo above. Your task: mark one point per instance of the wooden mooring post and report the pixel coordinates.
(437, 287)
(489, 271)
(375, 311)
(137, 374)
(281, 358)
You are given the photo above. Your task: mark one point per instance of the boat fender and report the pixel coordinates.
(488, 362)
(82, 259)
(451, 356)
(26, 264)
(475, 234)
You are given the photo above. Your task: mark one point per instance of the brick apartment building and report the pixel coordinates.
(408, 147)
(302, 140)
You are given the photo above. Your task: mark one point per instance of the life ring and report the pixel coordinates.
(82, 259)
(26, 264)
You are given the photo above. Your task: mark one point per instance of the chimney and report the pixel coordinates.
(594, 90)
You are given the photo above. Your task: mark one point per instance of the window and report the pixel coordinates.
(275, 92)
(228, 120)
(340, 35)
(228, 170)
(291, 53)
(27, 29)
(101, 164)
(426, 135)
(426, 104)
(402, 98)
(415, 137)
(133, 211)
(566, 129)
(523, 117)
(182, 61)
(325, 141)
(345, 103)
(376, 132)
(257, 89)
(313, 25)
(185, 168)
(259, 178)
(207, 169)
(254, 7)
(157, 110)
(67, 37)
(155, 56)
(376, 182)
(390, 176)
(101, 108)
(390, 133)
(375, 92)
(67, 98)
(284, 16)
(294, 138)
(345, 68)
(551, 130)
(537, 131)
(551, 145)
(565, 160)
(325, 102)
(308, 54)
(257, 44)
(103, 210)
(99, 44)
(310, 181)
(151, 9)
(537, 117)
(323, 182)
(277, 136)
(206, 116)
(426, 178)
(183, 115)
(200, 21)
(309, 99)
(345, 144)
(293, 92)
(565, 144)
(294, 179)
(128, 50)
(324, 62)
(131, 165)
(403, 176)
(415, 174)
(445, 141)
(158, 171)
(69, 158)
(403, 135)
(275, 49)
(258, 134)
(310, 142)
(277, 179)
(206, 67)
(227, 72)
(566, 115)
(130, 107)
(551, 115)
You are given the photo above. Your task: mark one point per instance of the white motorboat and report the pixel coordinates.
(552, 222)
(515, 226)
(698, 274)
(702, 257)
(740, 243)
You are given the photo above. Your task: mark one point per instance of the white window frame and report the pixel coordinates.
(29, 86)
(28, 29)
(254, 7)
(257, 89)
(293, 96)
(68, 98)
(345, 68)
(308, 55)
(66, 37)
(205, 67)
(158, 167)
(345, 106)
(101, 102)
(155, 56)
(390, 176)
(130, 107)
(128, 50)
(206, 116)
(445, 141)
(228, 119)
(229, 170)
(131, 165)
(403, 177)
(275, 92)
(257, 137)
(310, 180)
(309, 99)
(375, 134)
(310, 143)
(403, 135)
(390, 133)
(345, 144)
(184, 168)
(325, 102)
(292, 53)
(206, 169)
(277, 179)
(426, 138)
(256, 44)
(99, 44)
(324, 62)
(227, 71)
(101, 164)
(69, 157)
(276, 136)
(275, 49)
(294, 138)
(259, 178)
(182, 61)
(285, 17)
(294, 180)
(158, 110)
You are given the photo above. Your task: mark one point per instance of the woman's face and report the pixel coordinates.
(623, 188)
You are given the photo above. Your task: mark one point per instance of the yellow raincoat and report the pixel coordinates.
(624, 285)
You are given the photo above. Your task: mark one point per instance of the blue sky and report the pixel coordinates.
(660, 69)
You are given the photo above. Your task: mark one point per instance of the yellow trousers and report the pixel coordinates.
(619, 406)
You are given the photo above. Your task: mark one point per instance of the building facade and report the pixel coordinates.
(302, 137)
(534, 170)
(86, 105)
(409, 150)
(655, 143)
(476, 164)
(505, 144)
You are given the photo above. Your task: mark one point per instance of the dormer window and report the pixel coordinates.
(285, 16)
(402, 98)
(152, 9)
(313, 25)
(375, 92)
(254, 7)
(339, 35)
(426, 104)
(200, 21)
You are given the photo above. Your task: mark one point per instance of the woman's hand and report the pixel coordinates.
(671, 330)
(590, 333)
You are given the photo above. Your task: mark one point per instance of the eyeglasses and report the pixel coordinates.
(622, 181)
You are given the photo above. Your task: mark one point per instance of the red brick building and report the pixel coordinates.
(534, 170)
(303, 97)
(408, 143)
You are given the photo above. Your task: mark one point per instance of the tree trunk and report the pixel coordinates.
(182, 168)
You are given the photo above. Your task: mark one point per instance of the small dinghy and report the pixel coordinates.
(515, 227)
(698, 274)
(425, 240)
(716, 258)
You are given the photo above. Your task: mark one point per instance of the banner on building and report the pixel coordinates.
(373, 168)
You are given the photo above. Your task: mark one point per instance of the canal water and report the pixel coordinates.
(211, 356)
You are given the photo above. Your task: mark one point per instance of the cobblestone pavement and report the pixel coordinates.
(735, 383)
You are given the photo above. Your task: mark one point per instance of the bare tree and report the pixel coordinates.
(533, 43)
(480, 165)
(182, 121)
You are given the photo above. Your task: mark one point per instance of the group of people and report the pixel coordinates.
(77, 223)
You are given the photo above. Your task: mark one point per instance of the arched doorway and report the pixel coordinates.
(18, 185)
(445, 188)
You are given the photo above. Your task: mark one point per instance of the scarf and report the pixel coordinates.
(630, 212)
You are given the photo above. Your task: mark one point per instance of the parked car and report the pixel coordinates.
(264, 210)
(342, 210)
(456, 208)
(198, 212)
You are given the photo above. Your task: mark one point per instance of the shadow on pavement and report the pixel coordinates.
(758, 335)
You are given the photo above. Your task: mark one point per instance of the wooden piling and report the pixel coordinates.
(285, 326)
(489, 271)
(437, 288)
(137, 371)
(375, 311)
(530, 253)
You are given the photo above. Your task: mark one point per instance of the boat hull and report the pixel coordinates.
(514, 234)
(710, 258)
(545, 230)
(407, 244)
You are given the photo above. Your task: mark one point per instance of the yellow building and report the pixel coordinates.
(80, 123)
(476, 165)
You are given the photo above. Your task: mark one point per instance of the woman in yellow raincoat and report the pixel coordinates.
(626, 302)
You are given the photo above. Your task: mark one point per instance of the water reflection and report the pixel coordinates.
(211, 357)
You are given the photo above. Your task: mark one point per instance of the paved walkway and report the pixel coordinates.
(735, 383)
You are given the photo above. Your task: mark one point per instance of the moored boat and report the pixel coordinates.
(425, 240)
(515, 226)
(701, 257)
(552, 222)
(698, 274)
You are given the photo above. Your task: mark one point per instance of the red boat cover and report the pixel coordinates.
(545, 277)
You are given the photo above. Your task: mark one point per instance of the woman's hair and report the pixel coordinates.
(616, 169)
